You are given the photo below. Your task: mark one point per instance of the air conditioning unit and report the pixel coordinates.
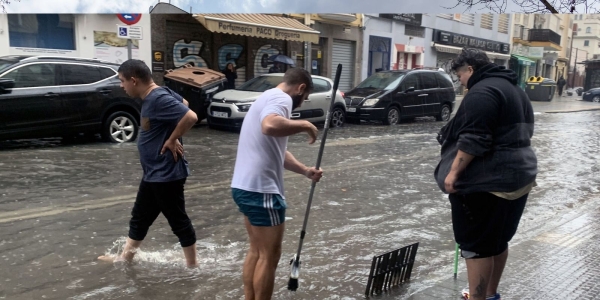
(596, 56)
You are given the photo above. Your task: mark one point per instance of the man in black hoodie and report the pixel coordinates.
(487, 167)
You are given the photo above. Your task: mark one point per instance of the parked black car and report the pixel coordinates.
(592, 95)
(390, 96)
(45, 96)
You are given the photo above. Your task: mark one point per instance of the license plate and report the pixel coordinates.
(219, 114)
(352, 109)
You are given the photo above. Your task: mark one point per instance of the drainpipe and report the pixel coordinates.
(307, 46)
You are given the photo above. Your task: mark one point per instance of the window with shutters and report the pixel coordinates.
(503, 23)
(446, 16)
(487, 21)
(463, 18)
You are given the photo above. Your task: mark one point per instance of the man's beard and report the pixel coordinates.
(297, 101)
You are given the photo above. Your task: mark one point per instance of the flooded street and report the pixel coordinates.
(61, 206)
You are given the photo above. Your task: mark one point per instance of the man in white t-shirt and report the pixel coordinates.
(257, 185)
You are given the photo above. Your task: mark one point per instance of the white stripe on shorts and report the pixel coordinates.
(268, 204)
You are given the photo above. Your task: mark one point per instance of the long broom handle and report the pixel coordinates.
(336, 83)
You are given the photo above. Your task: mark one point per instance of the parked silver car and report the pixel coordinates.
(228, 108)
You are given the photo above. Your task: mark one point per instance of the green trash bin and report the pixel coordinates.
(540, 89)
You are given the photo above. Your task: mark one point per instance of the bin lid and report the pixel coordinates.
(535, 79)
(195, 76)
(548, 80)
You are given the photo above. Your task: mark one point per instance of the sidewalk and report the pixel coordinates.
(562, 263)
(564, 104)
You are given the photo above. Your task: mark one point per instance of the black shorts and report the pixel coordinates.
(484, 223)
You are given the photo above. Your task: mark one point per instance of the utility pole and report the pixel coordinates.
(574, 68)
(574, 32)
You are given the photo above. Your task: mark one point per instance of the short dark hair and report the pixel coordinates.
(135, 68)
(471, 57)
(294, 76)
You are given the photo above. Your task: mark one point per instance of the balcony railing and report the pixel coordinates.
(544, 35)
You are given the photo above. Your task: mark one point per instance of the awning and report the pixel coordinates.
(457, 50)
(524, 60)
(259, 25)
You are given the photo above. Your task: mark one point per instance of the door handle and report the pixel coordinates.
(51, 95)
(296, 115)
(423, 95)
(104, 92)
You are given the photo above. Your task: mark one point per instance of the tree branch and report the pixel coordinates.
(549, 7)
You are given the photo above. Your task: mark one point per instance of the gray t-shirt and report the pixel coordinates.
(162, 110)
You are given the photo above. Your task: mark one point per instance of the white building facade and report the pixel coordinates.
(407, 41)
(73, 35)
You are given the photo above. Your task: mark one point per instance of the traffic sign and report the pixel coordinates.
(129, 32)
(129, 19)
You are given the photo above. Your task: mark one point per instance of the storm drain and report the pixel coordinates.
(391, 269)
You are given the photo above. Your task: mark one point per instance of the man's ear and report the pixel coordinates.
(301, 88)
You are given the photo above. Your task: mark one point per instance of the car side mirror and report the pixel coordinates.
(6, 85)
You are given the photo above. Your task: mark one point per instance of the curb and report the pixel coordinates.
(570, 111)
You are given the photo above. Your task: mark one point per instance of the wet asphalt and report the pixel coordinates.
(62, 205)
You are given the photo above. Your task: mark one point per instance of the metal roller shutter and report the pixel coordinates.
(343, 53)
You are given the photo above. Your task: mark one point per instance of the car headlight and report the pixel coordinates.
(370, 102)
(243, 107)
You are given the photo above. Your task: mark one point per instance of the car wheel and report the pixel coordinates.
(120, 127)
(393, 116)
(444, 114)
(596, 99)
(338, 117)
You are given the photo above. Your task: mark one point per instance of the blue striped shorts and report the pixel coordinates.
(261, 209)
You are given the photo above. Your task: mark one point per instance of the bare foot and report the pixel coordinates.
(196, 265)
(110, 258)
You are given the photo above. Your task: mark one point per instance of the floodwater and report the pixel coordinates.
(63, 205)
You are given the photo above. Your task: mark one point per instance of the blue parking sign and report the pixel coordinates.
(123, 31)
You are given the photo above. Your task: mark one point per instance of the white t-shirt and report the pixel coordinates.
(260, 158)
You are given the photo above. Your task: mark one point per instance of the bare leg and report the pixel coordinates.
(131, 247)
(499, 263)
(249, 264)
(268, 242)
(479, 272)
(190, 256)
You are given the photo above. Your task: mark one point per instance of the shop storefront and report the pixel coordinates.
(525, 62)
(340, 42)
(215, 40)
(73, 35)
(447, 45)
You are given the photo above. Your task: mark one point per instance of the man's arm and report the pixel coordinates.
(278, 126)
(185, 102)
(292, 164)
(460, 163)
(185, 124)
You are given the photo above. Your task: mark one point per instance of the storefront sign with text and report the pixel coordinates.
(264, 32)
(459, 40)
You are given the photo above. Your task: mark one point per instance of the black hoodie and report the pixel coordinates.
(495, 124)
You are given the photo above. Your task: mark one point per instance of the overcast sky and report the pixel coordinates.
(245, 6)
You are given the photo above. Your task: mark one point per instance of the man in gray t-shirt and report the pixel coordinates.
(165, 117)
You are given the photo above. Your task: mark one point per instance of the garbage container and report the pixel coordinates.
(197, 85)
(540, 89)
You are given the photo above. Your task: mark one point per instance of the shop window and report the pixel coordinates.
(49, 31)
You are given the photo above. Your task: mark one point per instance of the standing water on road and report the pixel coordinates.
(63, 205)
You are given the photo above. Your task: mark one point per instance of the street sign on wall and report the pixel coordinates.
(129, 32)
(129, 19)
